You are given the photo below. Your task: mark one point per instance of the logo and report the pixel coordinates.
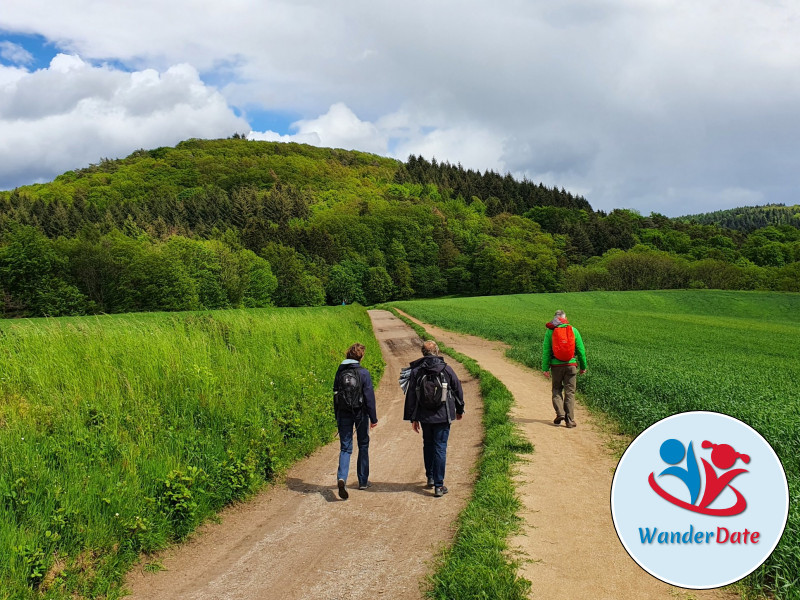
(699, 500)
(723, 457)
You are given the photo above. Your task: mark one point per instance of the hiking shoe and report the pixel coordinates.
(571, 424)
(557, 420)
(439, 492)
(342, 490)
(365, 485)
(430, 483)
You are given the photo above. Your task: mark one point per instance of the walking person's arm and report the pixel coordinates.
(369, 397)
(547, 352)
(410, 406)
(580, 352)
(458, 392)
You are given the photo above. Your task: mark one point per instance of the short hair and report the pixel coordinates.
(560, 313)
(356, 352)
(430, 348)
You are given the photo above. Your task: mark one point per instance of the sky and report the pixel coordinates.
(669, 106)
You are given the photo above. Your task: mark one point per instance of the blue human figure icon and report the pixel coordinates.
(672, 453)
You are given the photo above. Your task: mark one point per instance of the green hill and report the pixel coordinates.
(750, 218)
(236, 223)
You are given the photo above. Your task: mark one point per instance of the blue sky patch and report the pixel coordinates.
(39, 51)
(265, 120)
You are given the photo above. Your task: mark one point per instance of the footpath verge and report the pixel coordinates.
(479, 563)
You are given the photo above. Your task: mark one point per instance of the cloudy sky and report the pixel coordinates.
(673, 106)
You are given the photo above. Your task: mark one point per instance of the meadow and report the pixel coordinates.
(653, 354)
(120, 434)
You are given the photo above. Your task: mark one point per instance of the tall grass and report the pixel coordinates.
(653, 354)
(479, 564)
(120, 434)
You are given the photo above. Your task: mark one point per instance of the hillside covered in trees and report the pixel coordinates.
(230, 223)
(750, 218)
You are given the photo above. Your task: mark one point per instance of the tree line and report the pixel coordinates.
(231, 223)
(750, 218)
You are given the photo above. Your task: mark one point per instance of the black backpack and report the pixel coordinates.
(431, 388)
(347, 390)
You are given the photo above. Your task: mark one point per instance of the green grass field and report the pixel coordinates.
(120, 434)
(652, 354)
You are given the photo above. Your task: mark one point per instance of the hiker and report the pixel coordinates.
(434, 399)
(562, 354)
(354, 406)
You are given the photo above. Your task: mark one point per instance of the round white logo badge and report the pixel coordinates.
(699, 500)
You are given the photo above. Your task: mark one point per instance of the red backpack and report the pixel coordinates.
(564, 343)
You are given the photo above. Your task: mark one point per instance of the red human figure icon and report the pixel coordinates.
(724, 457)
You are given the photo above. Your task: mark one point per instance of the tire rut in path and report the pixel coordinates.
(568, 538)
(297, 539)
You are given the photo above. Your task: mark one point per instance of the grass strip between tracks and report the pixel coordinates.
(479, 563)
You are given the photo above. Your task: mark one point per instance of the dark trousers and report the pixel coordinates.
(564, 379)
(346, 422)
(434, 450)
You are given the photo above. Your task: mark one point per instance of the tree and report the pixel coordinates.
(203, 266)
(296, 286)
(260, 283)
(378, 285)
(33, 276)
(345, 283)
(150, 279)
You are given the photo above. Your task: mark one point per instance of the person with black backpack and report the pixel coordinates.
(354, 407)
(434, 399)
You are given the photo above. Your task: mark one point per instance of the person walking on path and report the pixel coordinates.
(563, 354)
(434, 399)
(354, 407)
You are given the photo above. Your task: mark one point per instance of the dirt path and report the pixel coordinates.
(298, 540)
(568, 535)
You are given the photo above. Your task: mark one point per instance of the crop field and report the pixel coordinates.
(120, 434)
(653, 354)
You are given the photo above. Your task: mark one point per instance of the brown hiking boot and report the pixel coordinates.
(557, 420)
(571, 424)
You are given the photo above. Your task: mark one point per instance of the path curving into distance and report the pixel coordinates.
(568, 539)
(297, 540)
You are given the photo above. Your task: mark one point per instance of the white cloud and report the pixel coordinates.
(624, 99)
(15, 53)
(72, 114)
(9, 75)
(395, 135)
(337, 128)
(341, 128)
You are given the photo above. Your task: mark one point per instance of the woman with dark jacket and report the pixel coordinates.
(354, 407)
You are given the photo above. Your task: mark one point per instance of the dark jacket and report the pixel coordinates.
(414, 411)
(368, 408)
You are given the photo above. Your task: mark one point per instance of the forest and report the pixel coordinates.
(236, 223)
(750, 218)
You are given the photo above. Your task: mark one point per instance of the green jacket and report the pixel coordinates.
(547, 351)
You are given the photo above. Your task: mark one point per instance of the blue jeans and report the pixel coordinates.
(346, 422)
(434, 450)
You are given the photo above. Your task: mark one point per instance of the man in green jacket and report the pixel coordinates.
(563, 371)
